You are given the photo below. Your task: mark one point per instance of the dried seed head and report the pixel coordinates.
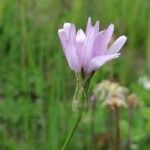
(104, 85)
(122, 90)
(114, 101)
(114, 95)
(101, 90)
(107, 87)
(132, 101)
(113, 87)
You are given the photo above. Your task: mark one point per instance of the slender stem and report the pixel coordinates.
(129, 128)
(92, 115)
(92, 125)
(117, 138)
(79, 105)
(110, 129)
(69, 137)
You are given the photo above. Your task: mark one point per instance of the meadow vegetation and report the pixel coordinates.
(36, 84)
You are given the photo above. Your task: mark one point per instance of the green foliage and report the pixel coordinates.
(36, 85)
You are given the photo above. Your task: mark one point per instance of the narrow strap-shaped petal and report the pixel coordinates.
(63, 38)
(70, 30)
(80, 36)
(72, 58)
(102, 40)
(98, 46)
(72, 34)
(117, 45)
(80, 39)
(89, 24)
(98, 61)
(67, 28)
(69, 51)
(97, 27)
(108, 33)
(88, 46)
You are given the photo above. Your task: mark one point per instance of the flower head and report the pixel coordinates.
(132, 101)
(88, 51)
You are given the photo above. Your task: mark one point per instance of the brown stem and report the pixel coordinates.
(110, 127)
(117, 129)
(129, 129)
(93, 146)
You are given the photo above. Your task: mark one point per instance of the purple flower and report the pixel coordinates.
(88, 51)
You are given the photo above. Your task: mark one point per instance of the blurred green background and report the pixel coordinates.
(36, 84)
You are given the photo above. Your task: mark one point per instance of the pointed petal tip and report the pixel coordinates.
(112, 26)
(62, 34)
(117, 55)
(117, 45)
(97, 24)
(124, 38)
(80, 36)
(60, 30)
(81, 32)
(89, 18)
(110, 29)
(89, 22)
(67, 25)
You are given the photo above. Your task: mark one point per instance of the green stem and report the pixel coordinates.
(79, 104)
(69, 137)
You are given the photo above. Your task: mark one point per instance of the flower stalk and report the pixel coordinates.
(80, 100)
(85, 52)
(129, 129)
(117, 129)
(79, 104)
(70, 135)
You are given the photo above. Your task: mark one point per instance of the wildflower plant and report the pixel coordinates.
(85, 53)
(114, 96)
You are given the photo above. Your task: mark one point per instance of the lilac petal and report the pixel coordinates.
(89, 24)
(63, 38)
(97, 27)
(117, 45)
(102, 40)
(70, 30)
(108, 33)
(69, 51)
(89, 50)
(72, 57)
(72, 34)
(98, 61)
(98, 46)
(80, 36)
(80, 39)
(88, 46)
(67, 28)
